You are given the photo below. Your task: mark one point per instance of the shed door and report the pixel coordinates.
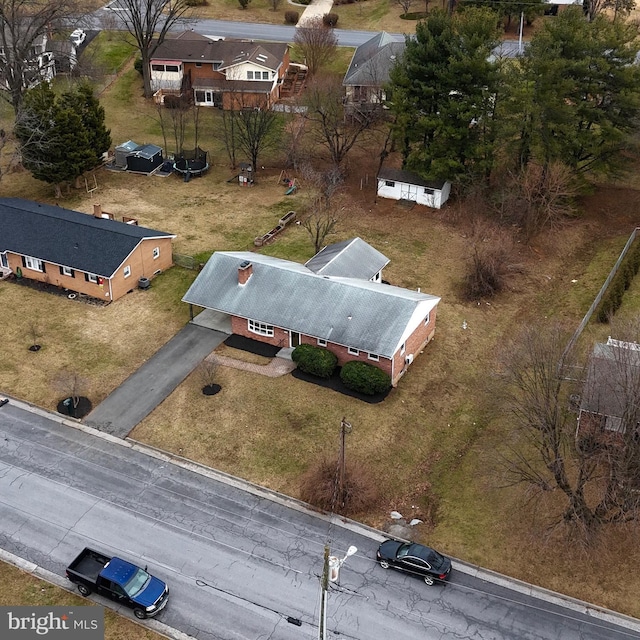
(408, 192)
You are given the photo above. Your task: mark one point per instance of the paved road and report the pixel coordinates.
(145, 389)
(239, 563)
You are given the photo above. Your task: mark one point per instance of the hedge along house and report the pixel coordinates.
(398, 184)
(229, 74)
(93, 255)
(285, 304)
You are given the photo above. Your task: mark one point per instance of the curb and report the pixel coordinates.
(493, 577)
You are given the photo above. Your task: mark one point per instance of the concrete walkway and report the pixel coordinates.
(145, 389)
(315, 10)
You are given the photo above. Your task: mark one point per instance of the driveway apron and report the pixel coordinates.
(154, 381)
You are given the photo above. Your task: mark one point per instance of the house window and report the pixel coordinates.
(428, 318)
(91, 277)
(216, 65)
(265, 75)
(321, 342)
(33, 263)
(403, 348)
(198, 65)
(157, 67)
(353, 352)
(172, 68)
(389, 183)
(249, 75)
(373, 356)
(260, 328)
(67, 271)
(4, 262)
(429, 192)
(127, 271)
(156, 252)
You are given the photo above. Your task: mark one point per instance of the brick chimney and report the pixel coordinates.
(97, 211)
(244, 272)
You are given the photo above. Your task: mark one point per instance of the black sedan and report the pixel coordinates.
(414, 558)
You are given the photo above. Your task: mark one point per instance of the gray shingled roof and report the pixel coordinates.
(373, 60)
(613, 377)
(68, 238)
(350, 259)
(373, 317)
(408, 177)
(194, 47)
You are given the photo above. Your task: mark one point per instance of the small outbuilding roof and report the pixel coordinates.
(409, 177)
(68, 238)
(147, 151)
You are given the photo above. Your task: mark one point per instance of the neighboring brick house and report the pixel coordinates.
(94, 255)
(285, 304)
(610, 401)
(230, 74)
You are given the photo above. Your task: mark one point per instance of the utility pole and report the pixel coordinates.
(345, 427)
(324, 586)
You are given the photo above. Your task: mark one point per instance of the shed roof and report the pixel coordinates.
(372, 317)
(409, 177)
(351, 258)
(613, 379)
(68, 238)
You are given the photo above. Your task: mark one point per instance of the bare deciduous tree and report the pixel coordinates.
(405, 5)
(329, 126)
(275, 4)
(597, 467)
(316, 42)
(149, 21)
(22, 24)
(72, 385)
(254, 127)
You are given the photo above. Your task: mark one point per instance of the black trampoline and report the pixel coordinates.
(191, 163)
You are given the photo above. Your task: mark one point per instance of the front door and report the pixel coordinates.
(294, 338)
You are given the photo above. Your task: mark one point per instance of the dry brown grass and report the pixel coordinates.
(18, 587)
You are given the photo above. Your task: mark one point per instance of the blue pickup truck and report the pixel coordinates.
(119, 580)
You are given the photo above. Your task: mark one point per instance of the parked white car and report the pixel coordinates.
(77, 37)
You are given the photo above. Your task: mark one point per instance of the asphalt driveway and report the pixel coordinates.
(145, 389)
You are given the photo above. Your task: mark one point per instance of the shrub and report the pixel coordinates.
(314, 360)
(613, 296)
(137, 65)
(196, 3)
(291, 17)
(364, 378)
(330, 19)
(318, 486)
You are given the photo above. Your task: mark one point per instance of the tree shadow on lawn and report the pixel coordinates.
(336, 384)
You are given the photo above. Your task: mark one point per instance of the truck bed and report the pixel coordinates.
(88, 564)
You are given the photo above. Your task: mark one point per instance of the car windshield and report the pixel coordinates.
(137, 583)
(403, 550)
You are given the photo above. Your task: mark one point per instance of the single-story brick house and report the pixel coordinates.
(94, 255)
(609, 401)
(284, 304)
(398, 184)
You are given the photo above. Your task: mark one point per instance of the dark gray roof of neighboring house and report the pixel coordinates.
(408, 177)
(190, 46)
(68, 238)
(350, 259)
(613, 379)
(373, 60)
(372, 317)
